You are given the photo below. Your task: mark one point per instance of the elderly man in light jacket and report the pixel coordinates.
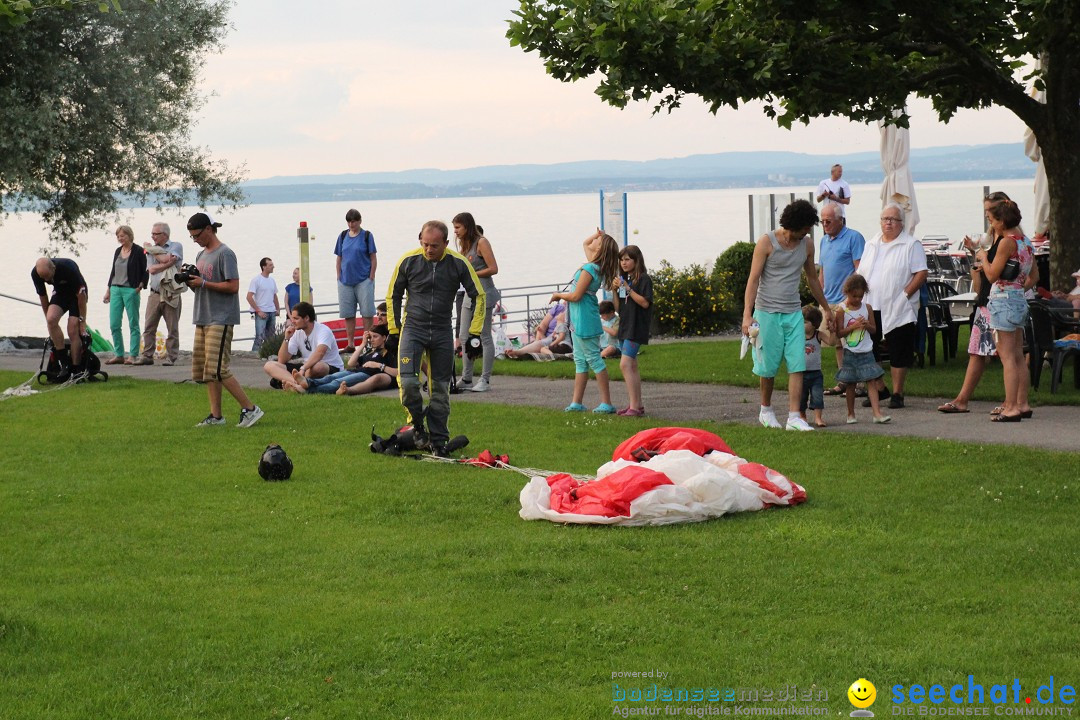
(894, 265)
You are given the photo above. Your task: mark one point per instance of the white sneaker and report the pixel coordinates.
(481, 386)
(249, 417)
(797, 423)
(211, 420)
(768, 419)
(852, 420)
(883, 419)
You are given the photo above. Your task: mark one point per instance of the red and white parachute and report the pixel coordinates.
(659, 477)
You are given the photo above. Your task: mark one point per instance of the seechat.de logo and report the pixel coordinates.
(862, 695)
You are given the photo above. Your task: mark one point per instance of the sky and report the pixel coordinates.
(347, 86)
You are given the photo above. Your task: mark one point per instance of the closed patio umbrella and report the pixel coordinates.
(1042, 192)
(898, 186)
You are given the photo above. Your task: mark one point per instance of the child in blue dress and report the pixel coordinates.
(601, 265)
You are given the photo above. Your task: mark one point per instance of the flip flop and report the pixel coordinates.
(1005, 418)
(950, 409)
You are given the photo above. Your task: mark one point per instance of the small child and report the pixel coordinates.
(813, 383)
(635, 292)
(609, 343)
(854, 326)
(601, 264)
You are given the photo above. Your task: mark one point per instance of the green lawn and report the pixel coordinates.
(718, 362)
(147, 572)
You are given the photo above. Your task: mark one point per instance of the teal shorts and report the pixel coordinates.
(783, 337)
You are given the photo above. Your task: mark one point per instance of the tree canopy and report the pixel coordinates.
(831, 57)
(97, 102)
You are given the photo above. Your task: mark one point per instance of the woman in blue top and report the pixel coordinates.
(601, 266)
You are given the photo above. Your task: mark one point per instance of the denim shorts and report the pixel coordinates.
(1008, 310)
(813, 391)
(629, 348)
(361, 294)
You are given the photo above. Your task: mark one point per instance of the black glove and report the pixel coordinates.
(473, 347)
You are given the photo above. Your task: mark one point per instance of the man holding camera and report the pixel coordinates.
(215, 281)
(162, 302)
(430, 275)
(834, 191)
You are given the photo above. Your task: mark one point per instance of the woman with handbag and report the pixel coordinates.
(477, 250)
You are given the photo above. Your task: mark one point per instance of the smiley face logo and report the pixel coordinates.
(862, 693)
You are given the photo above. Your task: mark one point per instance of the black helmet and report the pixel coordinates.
(275, 464)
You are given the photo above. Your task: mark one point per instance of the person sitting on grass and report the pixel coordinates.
(609, 342)
(557, 343)
(313, 341)
(368, 370)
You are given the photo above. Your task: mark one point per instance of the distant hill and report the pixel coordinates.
(721, 170)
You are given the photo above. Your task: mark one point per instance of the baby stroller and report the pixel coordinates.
(55, 372)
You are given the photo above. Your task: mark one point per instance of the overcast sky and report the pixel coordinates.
(342, 86)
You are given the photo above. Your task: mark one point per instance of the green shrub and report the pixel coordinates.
(690, 301)
(733, 267)
(272, 343)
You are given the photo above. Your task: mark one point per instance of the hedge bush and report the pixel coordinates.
(734, 265)
(691, 301)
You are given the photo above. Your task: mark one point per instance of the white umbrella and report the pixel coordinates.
(1042, 192)
(898, 186)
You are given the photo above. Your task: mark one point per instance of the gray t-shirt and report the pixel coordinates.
(120, 271)
(778, 290)
(211, 307)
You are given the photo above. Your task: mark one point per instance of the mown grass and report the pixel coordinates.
(147, 571)
(717, 362)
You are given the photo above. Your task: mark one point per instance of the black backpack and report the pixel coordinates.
(54, 372)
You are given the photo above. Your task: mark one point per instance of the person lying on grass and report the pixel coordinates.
(369, 369)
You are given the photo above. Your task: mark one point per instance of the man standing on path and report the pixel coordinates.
(263, 300)
(216, 311)
(841, 252)
(162, 303)
(69, 296)
(834, 191)
(430, 276)
(772, 294)
(356, 263)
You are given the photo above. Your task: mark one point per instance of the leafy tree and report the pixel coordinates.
(860, 60)
(97, 102)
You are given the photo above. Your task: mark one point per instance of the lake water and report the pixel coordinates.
(536, 239)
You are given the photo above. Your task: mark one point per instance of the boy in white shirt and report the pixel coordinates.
(262, 300)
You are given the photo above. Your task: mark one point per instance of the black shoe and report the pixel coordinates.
(896, 402)
(882, 397)
(440, 451)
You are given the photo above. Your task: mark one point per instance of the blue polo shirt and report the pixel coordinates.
(837, 258)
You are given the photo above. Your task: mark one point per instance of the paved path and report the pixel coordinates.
(1053, 427)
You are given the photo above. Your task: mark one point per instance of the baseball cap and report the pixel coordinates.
(201, 220)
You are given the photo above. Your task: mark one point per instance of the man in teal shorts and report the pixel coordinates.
(772, 300)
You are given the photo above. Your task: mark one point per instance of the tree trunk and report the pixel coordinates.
(1059, 151)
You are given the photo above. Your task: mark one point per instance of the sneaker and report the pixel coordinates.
(211, 420)
(575, 407)
(896, 401)
(883, 419)
(465, 381)
(797, 423)
(168, 362)
(143, 361)
(249, 417)
(768, 419)
(852, 420)
(604, 409)
(481, 386)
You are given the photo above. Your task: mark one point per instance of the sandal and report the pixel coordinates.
(1002, 417)
(997, 411)
(950, 408)
(838, 389)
